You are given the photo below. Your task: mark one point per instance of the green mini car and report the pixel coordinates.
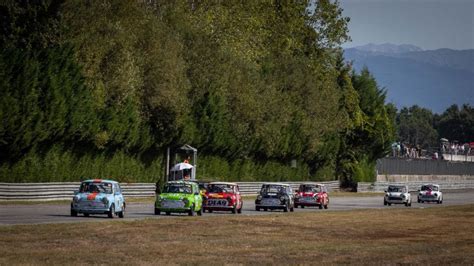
(179, 197)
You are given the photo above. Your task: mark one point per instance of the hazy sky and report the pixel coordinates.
(429, 24)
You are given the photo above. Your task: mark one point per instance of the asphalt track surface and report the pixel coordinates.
(13, 214)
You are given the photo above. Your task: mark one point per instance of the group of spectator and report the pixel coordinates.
(404, 150)
(455, 148)
(400, 149)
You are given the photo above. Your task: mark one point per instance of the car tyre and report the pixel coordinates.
(209, 210)
(122, 213)
(302, 207)
(191, 211)
(326, 206)
(384, 202)
(239, 211)
(257, 209)
(168, 213)
(292, 209)
(419, 201)
(86, 215)
(234, 210)
(320, 206)
(199, 213)
(265, 209)
(285, 209)
(296, 206)
(157, 211)
(389, 204)
(111, 212)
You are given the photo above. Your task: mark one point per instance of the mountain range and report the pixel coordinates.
(434, 79)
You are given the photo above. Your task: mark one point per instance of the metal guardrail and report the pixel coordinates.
(65, 191)
(380, 186)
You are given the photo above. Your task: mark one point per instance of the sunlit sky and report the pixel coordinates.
(428, 24)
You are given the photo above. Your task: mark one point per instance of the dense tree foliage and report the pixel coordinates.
(101, 88)
(419, 126)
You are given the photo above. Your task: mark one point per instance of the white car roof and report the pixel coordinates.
(430, 184)
(314, 184)
(223, 183)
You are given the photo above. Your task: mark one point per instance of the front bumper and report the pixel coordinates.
(90, 207)
(396, 200)
(427, 198)
(300, 202)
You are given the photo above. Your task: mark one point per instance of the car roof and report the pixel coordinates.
(397, 185)
(430, 184)
(277, 184)
(181, 182)
(100, 181)
(223, 183)
(313, 184)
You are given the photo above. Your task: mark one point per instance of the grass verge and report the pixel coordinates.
(442, 235)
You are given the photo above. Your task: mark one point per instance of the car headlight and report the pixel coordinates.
(259, 197)
(282, 198)
(105, 201)
(403, 195)
(76, 199)
(186, 201)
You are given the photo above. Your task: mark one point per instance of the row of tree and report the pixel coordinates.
(252, 83)
(420, 126)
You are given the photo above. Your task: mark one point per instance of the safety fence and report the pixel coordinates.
(404, 166)
(380, 186)
(65, 190)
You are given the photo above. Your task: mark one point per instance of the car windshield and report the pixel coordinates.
(92, 187)
(178, 188)
(429, 187)
(220, 188)
(396, 189)
(272, 189)
(310, 189)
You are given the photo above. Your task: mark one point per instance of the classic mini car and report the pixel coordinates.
(430, 193)
(223, 196)
(275, 196)
(310, 194)
(397, 194)
(179, 197)
(98, 196)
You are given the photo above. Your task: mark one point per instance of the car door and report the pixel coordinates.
(197, 196)
(238, 197)
(118, 198)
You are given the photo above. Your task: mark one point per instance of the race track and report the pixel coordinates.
(59, 213)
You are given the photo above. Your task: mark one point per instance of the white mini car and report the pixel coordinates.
(397, 194)
(430, 193)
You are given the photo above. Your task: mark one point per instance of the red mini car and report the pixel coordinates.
(310, 194)
(223, 196)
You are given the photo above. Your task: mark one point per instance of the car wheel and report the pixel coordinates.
(191, 211)
(409, 204)
(257, 209)
(234, 210)
(326, 206)
(210, 211)
(111, 212)
(73, 213)
(157, 211)
(240, 209)
(320, 206)
(200, 212)
(265, 209)
(168, 213)
(292, 209)
(302, 207)
(406, 204)
(389, 204)
(86, 215)
(122, 213)
(285, 209)
(384, 202)
(438, 201)
(419, 200)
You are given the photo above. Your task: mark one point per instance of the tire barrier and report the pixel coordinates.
(65, 190)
